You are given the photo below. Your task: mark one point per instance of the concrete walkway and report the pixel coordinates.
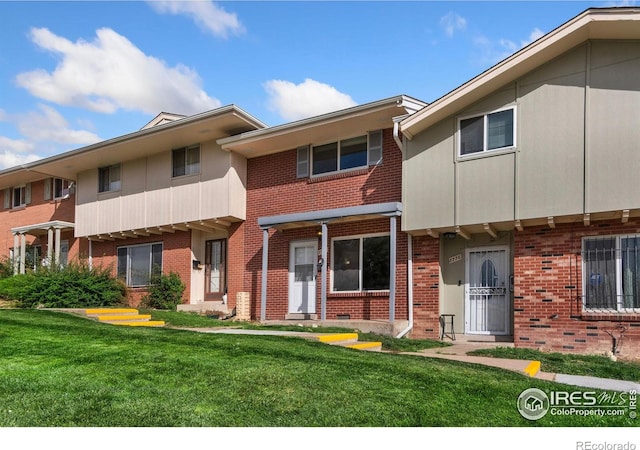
(458, 352)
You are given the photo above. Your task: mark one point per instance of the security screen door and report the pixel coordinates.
(486, 291)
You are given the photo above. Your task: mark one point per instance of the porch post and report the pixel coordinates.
(90, 254)
(49, 245)
(16, 253)
(265, 270)
(57, 243)
(323, 278)
(23, 252)
(392, 269)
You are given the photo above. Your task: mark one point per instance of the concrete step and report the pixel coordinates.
(368, 346)
(350, 340)
(122, 316)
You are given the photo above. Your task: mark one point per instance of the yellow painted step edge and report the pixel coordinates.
(337, 337)
(365, 345)
(129, 317)
(150, 323)
(110, 311)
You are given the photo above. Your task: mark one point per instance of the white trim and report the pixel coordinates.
(128, 268)
(361, 237)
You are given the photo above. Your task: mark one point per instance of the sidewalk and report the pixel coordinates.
(458, 352)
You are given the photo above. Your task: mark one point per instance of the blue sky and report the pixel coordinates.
(78, 72)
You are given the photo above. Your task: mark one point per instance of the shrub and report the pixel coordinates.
(165, 292)
(6, 268)
(73, 286)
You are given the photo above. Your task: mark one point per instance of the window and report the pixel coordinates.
(493, 131)
(137, 263)
(611, 272)
(109, 178)
(19, 196)
(342, 155)
(186, 161)
(60, 188)
(361, 263)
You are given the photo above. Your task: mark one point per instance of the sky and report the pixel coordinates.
(75, 73)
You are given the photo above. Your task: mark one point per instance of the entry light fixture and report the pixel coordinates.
(449, 235)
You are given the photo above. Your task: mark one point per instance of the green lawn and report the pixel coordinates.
(590, 365)
(61, 370)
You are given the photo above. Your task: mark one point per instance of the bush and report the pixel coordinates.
(165, 292)
(6, 268)
(73, 286)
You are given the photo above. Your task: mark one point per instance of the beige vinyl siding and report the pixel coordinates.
(558, 168)
(551, 138)
(614, 127)
(150, 197)
(428, 179)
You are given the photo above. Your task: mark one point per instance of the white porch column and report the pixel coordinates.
(23, 252)
(90, 254)
(265, 270)
(49, 245)
(16, 253)
(392, 269)
(323, 278)
(57, 245)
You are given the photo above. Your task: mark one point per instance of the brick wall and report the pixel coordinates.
(548, 311)
(38, 211)
(176, 257)
(273, 189)
(426, 287)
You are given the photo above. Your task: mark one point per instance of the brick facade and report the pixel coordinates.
(426, 287)
(274, 189)
(36, 212)
(176, 257)
(548, 312)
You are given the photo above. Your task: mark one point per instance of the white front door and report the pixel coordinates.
(302, 277)
(487, 298)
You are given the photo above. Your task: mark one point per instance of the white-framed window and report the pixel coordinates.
(344, 155)
(60, 188)
(137, 263)
(611, 273)
(21, 195)
(109, 178)
(185, 161)
(360, 263)
(487, 132)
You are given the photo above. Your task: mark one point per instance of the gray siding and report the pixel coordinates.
(559, 167)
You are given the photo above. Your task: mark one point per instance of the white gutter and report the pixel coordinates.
(409, 286)
(396, 131)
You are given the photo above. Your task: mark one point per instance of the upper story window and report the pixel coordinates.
(109, 178)
(611, 273)
(361, 263)
(185, 161)
(347, 154)
(19, 196)
(487, 132)
(60, 188)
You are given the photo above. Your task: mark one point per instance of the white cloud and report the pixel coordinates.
(206, 14)
(492, 52)
(111, 73)
(452, 22)
(14, 152)
(307, 99)
(49, 125)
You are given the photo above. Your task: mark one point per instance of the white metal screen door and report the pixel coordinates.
(486, 291)
(302, 277)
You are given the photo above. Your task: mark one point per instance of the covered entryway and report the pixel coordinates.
(57, 248)
(302, 277)
(215, 257)
(486, 291)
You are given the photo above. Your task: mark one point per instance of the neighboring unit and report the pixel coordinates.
(519, 191)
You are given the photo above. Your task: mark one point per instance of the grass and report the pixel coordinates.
(59, 370)
(194, 320)
(589, 365)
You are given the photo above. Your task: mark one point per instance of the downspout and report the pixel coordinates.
(396, 137)
(409, 286)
